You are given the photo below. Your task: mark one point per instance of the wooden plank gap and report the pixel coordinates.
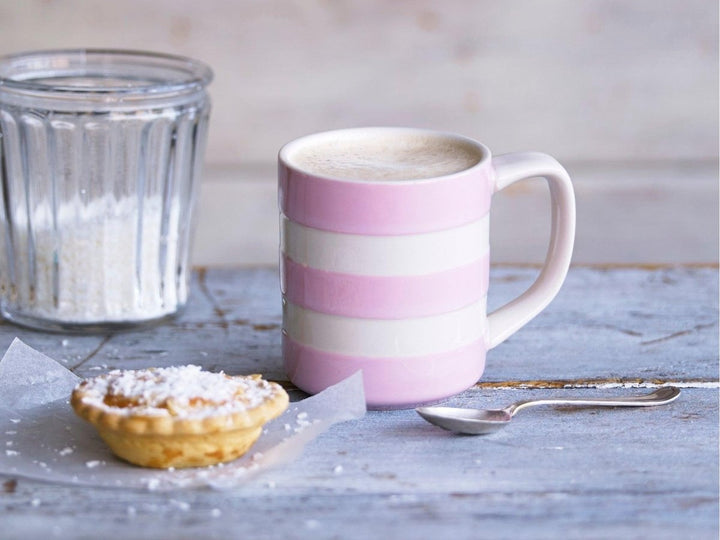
(92, 353)
(532, 266)
(219, 312)
(611, 382)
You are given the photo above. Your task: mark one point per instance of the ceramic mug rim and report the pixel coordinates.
(285, 153)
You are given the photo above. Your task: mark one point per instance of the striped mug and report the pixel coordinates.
(384, 259)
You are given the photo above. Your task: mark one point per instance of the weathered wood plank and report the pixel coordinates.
(605, 323)
(626, 212)
(628, 322)
(482, 69)
(567, 472)
(632, 473)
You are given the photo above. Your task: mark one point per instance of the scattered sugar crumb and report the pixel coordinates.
(8, 443)
(65, 451)
(93, 463)
(11, 432)
(153, 483)
(36, 502)
(338, 469)
(180, 505)
(12, 453)
(65, 342)
(15, 420)
(288, 427)
(302, 421)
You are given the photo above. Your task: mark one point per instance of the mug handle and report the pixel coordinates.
(509, 168)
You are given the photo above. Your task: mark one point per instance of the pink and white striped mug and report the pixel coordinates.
(384, 259)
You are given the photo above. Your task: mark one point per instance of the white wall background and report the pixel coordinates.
(593, 82)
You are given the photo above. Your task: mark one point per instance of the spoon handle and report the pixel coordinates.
(659, 397)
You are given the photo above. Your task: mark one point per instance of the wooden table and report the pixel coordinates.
(554, 473)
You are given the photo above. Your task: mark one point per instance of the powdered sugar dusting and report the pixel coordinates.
(180, 391)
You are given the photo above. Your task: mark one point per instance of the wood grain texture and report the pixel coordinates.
(580, 80)
(634, 213)
(623, 322)
(554, 472)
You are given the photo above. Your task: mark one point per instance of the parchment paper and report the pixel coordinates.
(42, 438)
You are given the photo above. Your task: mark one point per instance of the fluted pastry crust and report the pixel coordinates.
(180, 416)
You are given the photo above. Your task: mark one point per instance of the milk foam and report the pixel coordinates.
(383, 157)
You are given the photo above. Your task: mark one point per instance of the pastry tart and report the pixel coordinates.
(178, 416)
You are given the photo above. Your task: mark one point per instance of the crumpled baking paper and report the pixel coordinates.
(42, 438)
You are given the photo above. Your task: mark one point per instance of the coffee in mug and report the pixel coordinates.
(388, 158)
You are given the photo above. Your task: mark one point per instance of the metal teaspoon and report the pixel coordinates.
(481, 422)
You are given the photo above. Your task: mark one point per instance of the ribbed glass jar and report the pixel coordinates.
(100, 161)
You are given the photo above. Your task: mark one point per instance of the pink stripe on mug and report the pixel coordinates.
(424, 379)
(384, 297)
(382, 207)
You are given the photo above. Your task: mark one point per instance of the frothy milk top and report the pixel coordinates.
(382, 157)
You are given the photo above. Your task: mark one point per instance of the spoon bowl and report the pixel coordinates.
(468, 421)
(484, 421)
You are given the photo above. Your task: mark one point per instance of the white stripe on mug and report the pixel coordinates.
(397, 255)
(384, 338)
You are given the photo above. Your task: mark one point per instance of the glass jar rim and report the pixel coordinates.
(129, 73)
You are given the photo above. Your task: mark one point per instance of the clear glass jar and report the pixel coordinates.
(100, 161)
